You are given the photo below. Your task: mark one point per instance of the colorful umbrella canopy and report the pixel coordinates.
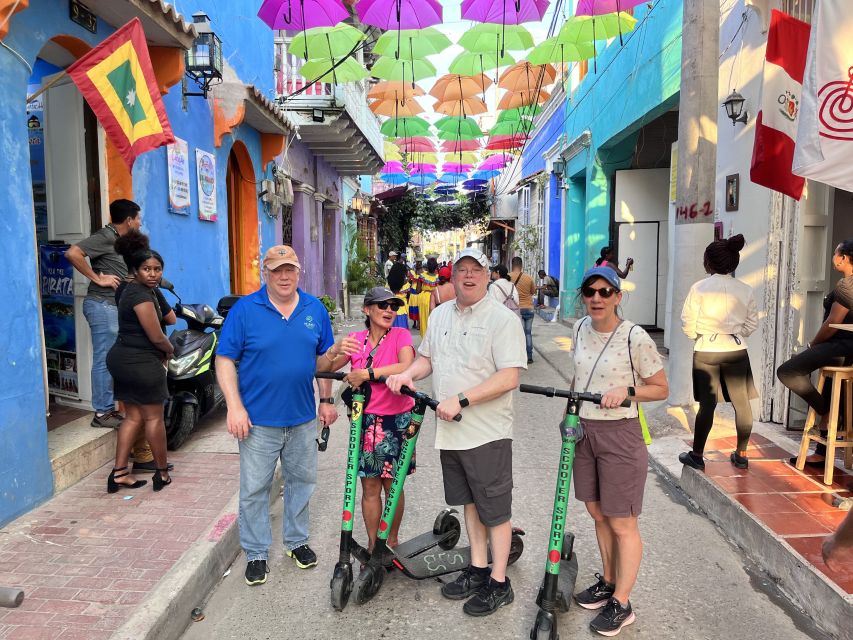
(599, 7)
(463, 126)
(516, 99)
(485, 175)
(465, 157)
(396, 108)
(299, 15)
(415, 147)
(498, 159)
(411, 141)
(507, 142)
(468, 63)
(392, 167)
(463, 107)
(446, 190)
(325, 42)
(403, 127)
(555, 51)
(527, 77)
(473, 184)
(399, 14)
(325, 71)
(453, 86)
(455, 167)
(422, 167)
(422, 179)
(422, 157)
(586, 28)
(391, 151)
(491, 38)
(411, 43)
(514, 115)
(394, 90)
(453, 178)
(391, 69)
(456, 146)
(503, 12)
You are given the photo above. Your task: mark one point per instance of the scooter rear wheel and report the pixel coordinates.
(516, 548)
(368, 583)
(341, 586)
(449, 525)
(545, 627)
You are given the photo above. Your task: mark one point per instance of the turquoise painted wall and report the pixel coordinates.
(633, 84)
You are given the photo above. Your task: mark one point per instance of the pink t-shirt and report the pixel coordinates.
(382, 401)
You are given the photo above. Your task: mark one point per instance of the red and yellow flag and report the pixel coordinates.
(117, 80)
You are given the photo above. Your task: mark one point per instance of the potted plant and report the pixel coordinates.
(359, 277)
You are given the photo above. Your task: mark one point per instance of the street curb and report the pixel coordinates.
(800, 582)
(165, 613)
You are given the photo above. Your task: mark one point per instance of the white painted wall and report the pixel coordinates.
(642, 195)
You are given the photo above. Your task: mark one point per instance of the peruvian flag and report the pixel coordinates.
(781, 89)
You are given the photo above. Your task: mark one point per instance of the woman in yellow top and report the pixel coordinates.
(429, 281)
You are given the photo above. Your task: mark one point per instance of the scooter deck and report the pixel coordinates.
(419, 544)
(436, 563)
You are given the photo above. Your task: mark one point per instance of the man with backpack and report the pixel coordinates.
(526, 290)
(504, 291)
(550, 287)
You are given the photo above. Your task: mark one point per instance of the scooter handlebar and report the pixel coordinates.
(330, 375)
(565, 393)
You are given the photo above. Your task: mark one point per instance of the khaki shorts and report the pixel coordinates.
(611, 463)
(482, 476)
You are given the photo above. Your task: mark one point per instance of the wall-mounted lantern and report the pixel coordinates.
(734, 106)
(204, 59)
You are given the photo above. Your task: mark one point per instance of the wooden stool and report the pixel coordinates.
(840, 377)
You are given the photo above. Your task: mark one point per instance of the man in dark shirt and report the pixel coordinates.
(105, 269)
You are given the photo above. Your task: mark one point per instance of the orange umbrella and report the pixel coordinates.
(514, 99)
(394, 90)
(452, 86)
(396, 108)
(464, 107)
(524, 76)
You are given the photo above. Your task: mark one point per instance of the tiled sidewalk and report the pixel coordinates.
(86, 558)
(794, 504)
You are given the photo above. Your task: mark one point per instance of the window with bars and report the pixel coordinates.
(799, 9)
(287, 224)
(287, 77)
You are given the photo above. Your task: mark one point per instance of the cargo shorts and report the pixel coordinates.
(482, 476)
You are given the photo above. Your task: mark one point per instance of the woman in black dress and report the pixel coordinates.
(137, 363)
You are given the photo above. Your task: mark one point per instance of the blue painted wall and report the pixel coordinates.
(195, 252)
(555, 224)
(633, 85)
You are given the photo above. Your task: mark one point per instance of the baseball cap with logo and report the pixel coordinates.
(279, 255)
(475, 254)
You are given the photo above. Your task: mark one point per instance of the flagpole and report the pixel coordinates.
(56, 79)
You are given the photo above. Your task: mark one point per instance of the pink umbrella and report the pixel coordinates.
(455, 167)
(417, 144)
(600, 7)
(456, 146)
(394, 166)
(298, 15)
(399, 14)
(422, 167)
(504, 11)
(494, 162)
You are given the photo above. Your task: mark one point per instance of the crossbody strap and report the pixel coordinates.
(600, 353)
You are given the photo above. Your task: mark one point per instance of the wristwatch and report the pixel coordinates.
(327, 401)
(632, 392)
(463, 401)
(371, 374)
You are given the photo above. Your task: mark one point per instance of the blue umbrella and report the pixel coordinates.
(445, 190)
(453, 178)
(394, 178)
(474, 183)
(479, 189)
(422, 179)
(448, 200)
(485, 174)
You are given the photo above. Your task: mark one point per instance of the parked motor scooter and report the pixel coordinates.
(193, 391)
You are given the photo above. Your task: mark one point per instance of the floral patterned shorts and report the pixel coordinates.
(381, 445)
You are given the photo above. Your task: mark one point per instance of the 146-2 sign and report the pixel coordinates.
(693, 211)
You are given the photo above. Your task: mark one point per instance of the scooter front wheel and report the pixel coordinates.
(368, 583)
(341, 586)
(545, 627)
(516, 548)
(448, 525)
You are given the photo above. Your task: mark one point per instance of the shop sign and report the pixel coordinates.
(82, 16)
(206, 178)
(57, 302)
(178, 159)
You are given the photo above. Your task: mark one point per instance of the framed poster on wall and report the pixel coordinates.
(205, 172)
(178, 164)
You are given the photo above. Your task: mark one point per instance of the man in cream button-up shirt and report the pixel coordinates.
(474, 349)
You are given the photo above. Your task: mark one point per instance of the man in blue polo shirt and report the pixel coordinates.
(276, 334)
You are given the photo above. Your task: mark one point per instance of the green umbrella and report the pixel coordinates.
(512, 128)
(391, 69)
(325, 42)
(405, 127)
(557, 51)
(458, 128)
(469, 63)
(519, 113)
(325, 71)
(458, 135)
(490, 38)
(603, 27)
(411, 44)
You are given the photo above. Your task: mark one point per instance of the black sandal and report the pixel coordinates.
(113, 486)
(158, 481)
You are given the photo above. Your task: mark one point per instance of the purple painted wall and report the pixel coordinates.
(317, 201)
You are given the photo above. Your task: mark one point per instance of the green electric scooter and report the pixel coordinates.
(561, 567)
(410, 557)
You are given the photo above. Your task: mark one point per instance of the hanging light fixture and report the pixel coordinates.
(734, 106)
(204, 59)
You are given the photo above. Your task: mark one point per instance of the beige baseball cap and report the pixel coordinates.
(279, 255)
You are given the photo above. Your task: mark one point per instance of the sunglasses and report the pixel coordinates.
(323, 440)
(604, 292)
(395, 306)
